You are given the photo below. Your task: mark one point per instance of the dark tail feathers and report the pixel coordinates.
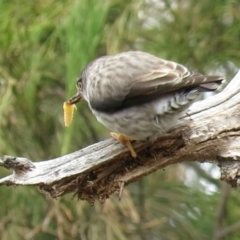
(212, 84)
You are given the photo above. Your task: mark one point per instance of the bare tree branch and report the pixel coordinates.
(209, 132)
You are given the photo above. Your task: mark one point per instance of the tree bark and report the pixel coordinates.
(208, 132)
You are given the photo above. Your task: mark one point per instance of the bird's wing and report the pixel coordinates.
(172, 81)
(163, 76)
(145, 77)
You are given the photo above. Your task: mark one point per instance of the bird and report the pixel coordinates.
(137, 95)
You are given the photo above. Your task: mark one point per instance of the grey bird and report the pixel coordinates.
(138, 95)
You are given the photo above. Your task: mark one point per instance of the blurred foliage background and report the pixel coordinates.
(44, 45)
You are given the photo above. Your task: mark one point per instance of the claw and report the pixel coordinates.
(124, 140)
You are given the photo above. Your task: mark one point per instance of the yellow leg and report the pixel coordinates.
(124, 140)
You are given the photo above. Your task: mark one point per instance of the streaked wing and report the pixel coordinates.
(166, 76)
(142, 77)
(173, 82)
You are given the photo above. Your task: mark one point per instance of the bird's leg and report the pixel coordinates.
(124, 140)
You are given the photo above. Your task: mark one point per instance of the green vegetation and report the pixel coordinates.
(43, 47)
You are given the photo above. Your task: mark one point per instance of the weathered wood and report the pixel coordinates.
(209, 132)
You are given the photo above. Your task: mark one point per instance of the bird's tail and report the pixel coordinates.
(207, 83)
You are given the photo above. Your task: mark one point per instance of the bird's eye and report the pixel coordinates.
(79, 84)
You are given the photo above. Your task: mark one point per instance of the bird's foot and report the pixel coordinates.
(124, 140)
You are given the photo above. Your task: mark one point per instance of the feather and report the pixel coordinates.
(134, 78)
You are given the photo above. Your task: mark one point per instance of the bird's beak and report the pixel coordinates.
(75, 99)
